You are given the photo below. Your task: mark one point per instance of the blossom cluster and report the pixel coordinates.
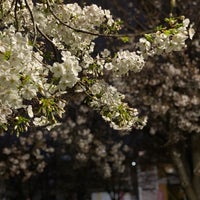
(87, 19)
(125, 61)
(109, 101)
(167, 39)
(66, 72)
(21, 72)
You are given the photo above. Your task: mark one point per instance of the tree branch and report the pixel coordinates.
(92, 33)
(33, 21)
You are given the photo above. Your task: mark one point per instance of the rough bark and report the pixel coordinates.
(184, 177)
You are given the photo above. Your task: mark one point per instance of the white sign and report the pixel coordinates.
(147, 183)
(106, 196)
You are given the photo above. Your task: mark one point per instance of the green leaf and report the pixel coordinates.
(21, 124)
(167, 32)
(3, 127)
(125, 39)
(7, 55)
(148, 37)
(159, 28)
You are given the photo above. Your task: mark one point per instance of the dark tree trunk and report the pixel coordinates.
(196, 163)
(183, 173)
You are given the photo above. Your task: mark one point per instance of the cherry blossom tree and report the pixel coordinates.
(49, 62)
(35, 90)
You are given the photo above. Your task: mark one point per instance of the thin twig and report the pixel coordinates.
(92, 33)
(16, 18)
(172, 7)
(50, 41)
(33, 21)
